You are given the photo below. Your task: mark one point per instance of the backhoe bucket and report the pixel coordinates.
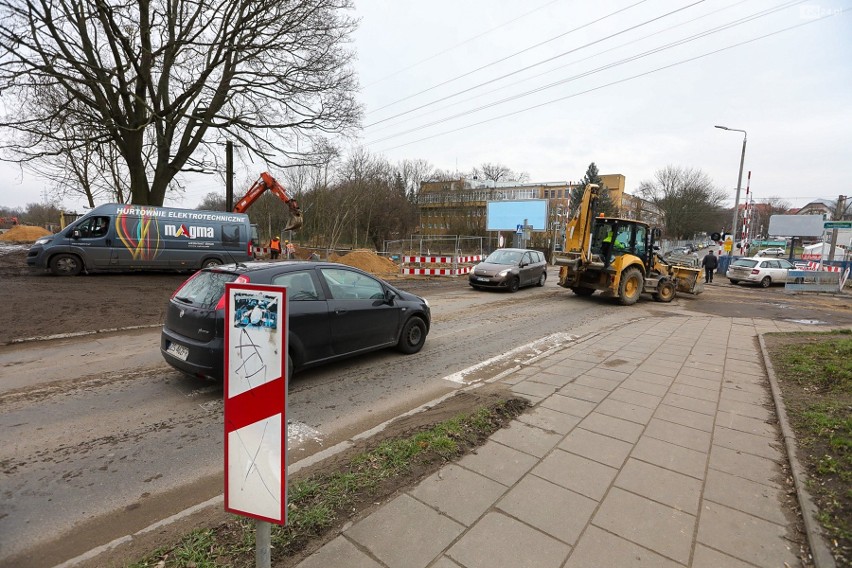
(688, 279)
(296, 222)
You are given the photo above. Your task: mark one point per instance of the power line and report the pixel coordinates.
(550, 71)
(487, 65)
(624, 80)
(465, 42)
(542, 62)
(598, 69)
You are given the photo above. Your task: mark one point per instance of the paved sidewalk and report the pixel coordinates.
(652, 445)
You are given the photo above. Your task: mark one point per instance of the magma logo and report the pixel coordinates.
(189, 232)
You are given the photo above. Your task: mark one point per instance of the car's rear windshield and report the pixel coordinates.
(745, 263)
(205, 288)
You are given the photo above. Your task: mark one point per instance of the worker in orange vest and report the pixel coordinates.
(275, 247)
(291, 249)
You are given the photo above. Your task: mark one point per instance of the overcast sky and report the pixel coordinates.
(547, 87)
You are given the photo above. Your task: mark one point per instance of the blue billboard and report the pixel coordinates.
(507, 215)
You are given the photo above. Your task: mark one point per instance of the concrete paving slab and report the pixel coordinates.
(442, 562)
(393, 533)
(680, 435)
(760, 387)
(609, 374)
(656, 368)
(608, 385)
(750, 497)
(704, 557)
(645, 387)
(533, 390)
(593, 355)
(710, 395)
(598, 548)
(498, 541)
(627, 411)
(746, 424)
(557, 380)
(759, 398)
(339, 552)
(676, 458)
(527, 439)
(713, 378)
(603, 449)
(561, 513)
(650, 377)
(584, 392)
(576, 473)
(747, 466)
(568, 405)
(710, 369)
(647, 523)
(550, 420)
(629, 396)
(498, 462)
(613, 427)
(459, 493)
(689, 403)
(665, 486)
(749, 443)
(744, 536)
(685, 417)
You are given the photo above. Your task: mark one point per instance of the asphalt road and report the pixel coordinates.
(100, 438)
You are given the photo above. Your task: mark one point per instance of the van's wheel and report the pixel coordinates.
(514, 284)
(583, 291)
(665, 292)
(630, 286)
(766, 282)
(211, 263)
(66, 265)
(542, 279)
(413, 336)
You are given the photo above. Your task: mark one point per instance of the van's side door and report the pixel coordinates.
(93, 239)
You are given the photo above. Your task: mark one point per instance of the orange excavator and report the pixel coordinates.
(268, 183)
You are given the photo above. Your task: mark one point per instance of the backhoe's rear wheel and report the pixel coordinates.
(665, 291)
(583, 291)
(630, 287)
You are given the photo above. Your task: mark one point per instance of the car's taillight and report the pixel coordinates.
(182, 286)
(250, 251)
(241, 279)
(755, 271)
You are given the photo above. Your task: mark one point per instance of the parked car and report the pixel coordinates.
(510, 269)
(335, 311)
(775, 251)
(759, 270)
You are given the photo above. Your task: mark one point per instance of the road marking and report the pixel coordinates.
(518, 355)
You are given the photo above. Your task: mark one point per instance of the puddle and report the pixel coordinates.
(807, 322)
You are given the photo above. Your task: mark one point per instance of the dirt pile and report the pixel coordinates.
(368, 261)
(24, 234)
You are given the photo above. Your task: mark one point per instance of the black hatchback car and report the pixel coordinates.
(335, 311)
(510, 269)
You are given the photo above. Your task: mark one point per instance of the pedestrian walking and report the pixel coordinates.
(709, 262)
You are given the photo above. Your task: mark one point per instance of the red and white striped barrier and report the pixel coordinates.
(458, 271)
(825, 268)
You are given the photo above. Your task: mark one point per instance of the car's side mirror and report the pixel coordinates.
(75, 234)
(389, 296)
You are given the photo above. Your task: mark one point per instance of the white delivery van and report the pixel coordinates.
(116, 237)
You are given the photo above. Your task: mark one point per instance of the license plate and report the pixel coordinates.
(481, 279)
(178, 351)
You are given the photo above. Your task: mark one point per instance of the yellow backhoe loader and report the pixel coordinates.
(618, 257)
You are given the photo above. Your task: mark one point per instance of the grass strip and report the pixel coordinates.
(815, 371)
(320, 502)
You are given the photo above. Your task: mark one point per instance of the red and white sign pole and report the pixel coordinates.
(256, 407)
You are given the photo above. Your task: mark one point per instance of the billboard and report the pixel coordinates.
(507, 215)
(796, 225)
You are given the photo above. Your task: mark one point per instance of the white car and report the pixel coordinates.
(772, 252)
(759, 270)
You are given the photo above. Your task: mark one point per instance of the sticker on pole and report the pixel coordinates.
(256, 401)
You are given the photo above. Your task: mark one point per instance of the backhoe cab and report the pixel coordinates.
(267, 182)
(617, 256)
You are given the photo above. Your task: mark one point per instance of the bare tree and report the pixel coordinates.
(687, 198)
(163, 84)
(499, 172)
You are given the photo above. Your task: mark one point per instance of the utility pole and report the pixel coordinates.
(838, 216)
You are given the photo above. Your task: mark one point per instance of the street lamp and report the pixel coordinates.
(739, 185)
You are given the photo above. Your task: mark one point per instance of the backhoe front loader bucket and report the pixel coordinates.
(688, 279)
(295, 223)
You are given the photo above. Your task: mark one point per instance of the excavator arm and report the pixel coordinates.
(268, 183)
